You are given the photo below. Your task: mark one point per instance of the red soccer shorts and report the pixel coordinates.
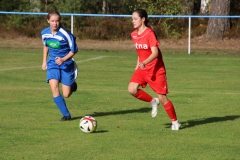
(157, 82)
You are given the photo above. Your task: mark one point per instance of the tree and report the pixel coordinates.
(35, 5)
(104, 6)
(204, 9)
(5, 5)
(188, 7)
(217, 27)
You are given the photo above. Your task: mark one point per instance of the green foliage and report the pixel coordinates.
(108, 28)
(69, 6)
(6, 5)
(169, 33)
(161, 7)
(26, 25)
(104, 28)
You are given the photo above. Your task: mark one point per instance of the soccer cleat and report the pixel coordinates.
(74, 87)
(155, 103)
(175, 125)
(65, 118)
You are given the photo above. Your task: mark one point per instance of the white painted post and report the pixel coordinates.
(72, 24)
(189, 35)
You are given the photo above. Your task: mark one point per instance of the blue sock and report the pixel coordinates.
(61, 104)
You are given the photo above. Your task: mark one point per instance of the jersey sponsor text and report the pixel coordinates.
(141, 46)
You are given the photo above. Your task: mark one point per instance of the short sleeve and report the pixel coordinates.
(74, 47)
(153, 40)
(71, 40)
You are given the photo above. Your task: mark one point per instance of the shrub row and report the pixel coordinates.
(109, 28)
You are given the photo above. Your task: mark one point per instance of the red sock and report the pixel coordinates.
(170, 110)
(142, 95)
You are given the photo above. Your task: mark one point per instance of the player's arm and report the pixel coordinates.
(59, 60)
(45, 54)
(73, 51)
(150, 58)
(137, 64)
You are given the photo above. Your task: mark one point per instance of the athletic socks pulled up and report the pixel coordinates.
(61, 104)
(170, 110)
(142, 95)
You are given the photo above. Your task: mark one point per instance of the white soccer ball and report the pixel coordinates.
(88, 124)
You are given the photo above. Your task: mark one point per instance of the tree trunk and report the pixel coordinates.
(204, 9)
(217, 27)
(104, 6)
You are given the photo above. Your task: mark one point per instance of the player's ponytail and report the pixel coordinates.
(143, 14)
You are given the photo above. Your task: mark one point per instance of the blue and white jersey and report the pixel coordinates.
(60, 44)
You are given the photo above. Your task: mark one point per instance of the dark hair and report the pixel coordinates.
(143, 14)
(52, 13)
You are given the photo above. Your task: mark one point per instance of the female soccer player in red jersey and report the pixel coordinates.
(150, 68)
(60, 45)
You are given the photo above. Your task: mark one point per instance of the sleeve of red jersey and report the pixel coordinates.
(153, 40)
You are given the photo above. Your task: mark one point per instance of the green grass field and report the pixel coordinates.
(205, 90)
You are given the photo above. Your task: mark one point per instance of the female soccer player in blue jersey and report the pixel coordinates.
(58, 49)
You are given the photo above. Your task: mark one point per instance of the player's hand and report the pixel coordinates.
(44, 66)
(59, 60)
(141, 65)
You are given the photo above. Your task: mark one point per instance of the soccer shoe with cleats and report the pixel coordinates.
(65, 118)
(175, 126)
(74, 87)
(154, 103)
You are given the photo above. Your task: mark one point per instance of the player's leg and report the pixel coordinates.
(159, 85)
(59, 100)
(169, 108)
(133, 87)
(68, 77)
(138, 79)
(66, 91)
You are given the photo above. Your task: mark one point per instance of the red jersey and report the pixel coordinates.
(143, 44)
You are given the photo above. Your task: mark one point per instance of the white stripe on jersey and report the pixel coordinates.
(67, 35)
(51, 36)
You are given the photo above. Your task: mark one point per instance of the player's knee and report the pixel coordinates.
(163, 99)
(132, 91)
(66, 95)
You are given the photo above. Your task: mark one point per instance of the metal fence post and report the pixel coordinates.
(189, 35)
(72, 24)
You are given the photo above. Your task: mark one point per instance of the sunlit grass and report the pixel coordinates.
(205, 90)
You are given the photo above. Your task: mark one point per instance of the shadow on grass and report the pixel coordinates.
(101, 131)
(192, 123)
(100, 114)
